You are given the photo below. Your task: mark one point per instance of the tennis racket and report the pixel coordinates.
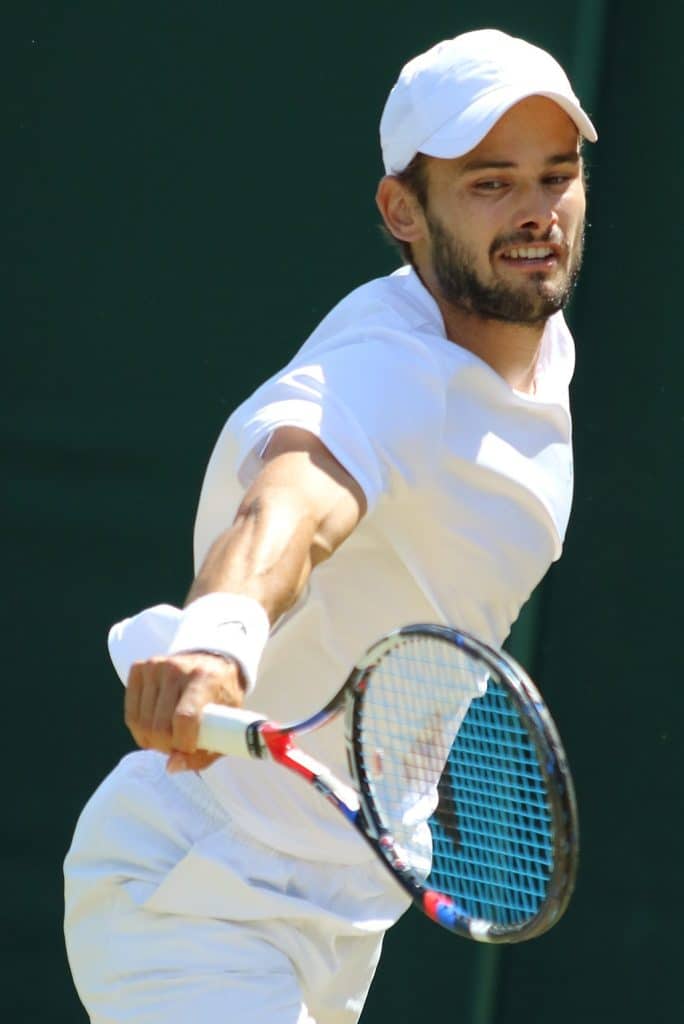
(461, 786)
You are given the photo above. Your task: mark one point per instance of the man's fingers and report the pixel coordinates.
(167, 700)
(197, 762)
(211, 680)
(149, 695)
(132, 695)
(186, 718)
(137, 697)
(164, 701)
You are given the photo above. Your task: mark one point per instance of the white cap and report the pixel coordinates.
(446, 100)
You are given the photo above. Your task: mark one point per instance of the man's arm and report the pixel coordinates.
(298, 511)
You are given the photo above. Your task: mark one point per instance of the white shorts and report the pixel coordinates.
(174, 915)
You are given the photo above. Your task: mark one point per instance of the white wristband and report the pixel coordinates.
(227, 624)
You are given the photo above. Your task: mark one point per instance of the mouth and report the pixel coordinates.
(531, 257)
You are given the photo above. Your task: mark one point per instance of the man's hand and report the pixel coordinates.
(164, 700)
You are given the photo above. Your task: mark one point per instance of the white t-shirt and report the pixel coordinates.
(468, 485)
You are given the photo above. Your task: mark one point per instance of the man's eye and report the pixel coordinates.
(490, 186)
(557, 179)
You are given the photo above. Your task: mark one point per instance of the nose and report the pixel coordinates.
(536, 211)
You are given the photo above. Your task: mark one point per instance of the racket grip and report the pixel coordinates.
(224, 730)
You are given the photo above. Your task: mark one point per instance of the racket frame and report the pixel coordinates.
(552, 764)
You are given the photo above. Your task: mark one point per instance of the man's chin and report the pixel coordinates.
(529, 301)
(525, 307)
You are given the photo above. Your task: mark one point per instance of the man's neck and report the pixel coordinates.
(512, 350)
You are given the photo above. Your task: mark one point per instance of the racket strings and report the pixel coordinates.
(419, 695)
(501, 868)
(454, 777)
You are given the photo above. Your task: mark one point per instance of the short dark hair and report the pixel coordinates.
(414, 178)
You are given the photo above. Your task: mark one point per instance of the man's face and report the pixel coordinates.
(505, 223)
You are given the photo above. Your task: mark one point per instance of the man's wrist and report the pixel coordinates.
(228, 625)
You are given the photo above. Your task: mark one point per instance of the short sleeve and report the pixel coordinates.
(374, 402)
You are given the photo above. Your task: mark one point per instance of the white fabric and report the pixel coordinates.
(227, 624)
(447, 99)
(142, 636)
(200, 923)
(218, 623)
(469, 488)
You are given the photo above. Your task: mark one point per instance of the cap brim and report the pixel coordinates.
(458, 137)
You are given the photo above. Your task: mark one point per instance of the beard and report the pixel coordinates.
(531, 302)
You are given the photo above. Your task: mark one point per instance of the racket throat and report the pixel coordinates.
(278, 745)
(274, 742)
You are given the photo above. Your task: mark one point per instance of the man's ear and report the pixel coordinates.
(400, 210)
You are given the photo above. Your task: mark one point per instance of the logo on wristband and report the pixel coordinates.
(233, 622)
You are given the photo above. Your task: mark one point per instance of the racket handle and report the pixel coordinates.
(224, 730)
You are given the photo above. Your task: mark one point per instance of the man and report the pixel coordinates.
(411, 463)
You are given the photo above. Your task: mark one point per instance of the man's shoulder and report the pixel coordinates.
(397, 302)
(399, 293)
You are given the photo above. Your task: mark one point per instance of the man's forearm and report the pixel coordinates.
(267, 554)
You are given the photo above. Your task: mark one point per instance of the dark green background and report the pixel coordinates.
(191, 190)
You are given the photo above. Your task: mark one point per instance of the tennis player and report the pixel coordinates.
(412, 462)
